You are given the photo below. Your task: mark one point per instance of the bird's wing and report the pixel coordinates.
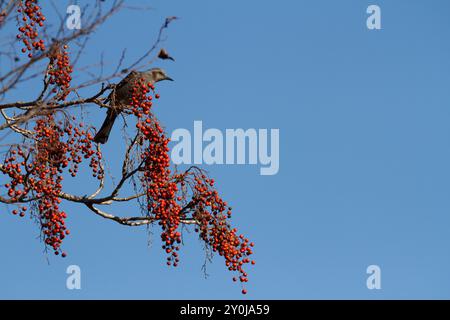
(122, 84)
(126, 80)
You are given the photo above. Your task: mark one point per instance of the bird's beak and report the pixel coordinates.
(169, 79)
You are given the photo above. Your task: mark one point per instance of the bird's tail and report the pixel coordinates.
(103, 134)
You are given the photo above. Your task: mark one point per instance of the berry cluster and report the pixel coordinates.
(167, 195)
(80, 146)
(213, 214)
(161, 191)
(31, 19)
(60, 71)
(36, 173)
(49, 160)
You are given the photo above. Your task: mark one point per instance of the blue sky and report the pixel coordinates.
(364, 154)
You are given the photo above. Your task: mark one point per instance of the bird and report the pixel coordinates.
(121, 98)
(164, 55)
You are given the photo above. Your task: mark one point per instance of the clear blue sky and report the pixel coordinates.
(364, 119)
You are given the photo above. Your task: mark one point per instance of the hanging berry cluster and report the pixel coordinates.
(59, 68)
(60, 71)
(168, 194)
(213, 214)
(31, 18)
(36, 173)
(161, 191)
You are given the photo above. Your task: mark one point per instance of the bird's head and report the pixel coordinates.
(158, 74)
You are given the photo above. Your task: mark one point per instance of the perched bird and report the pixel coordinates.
(164, 55)
(121, 98)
